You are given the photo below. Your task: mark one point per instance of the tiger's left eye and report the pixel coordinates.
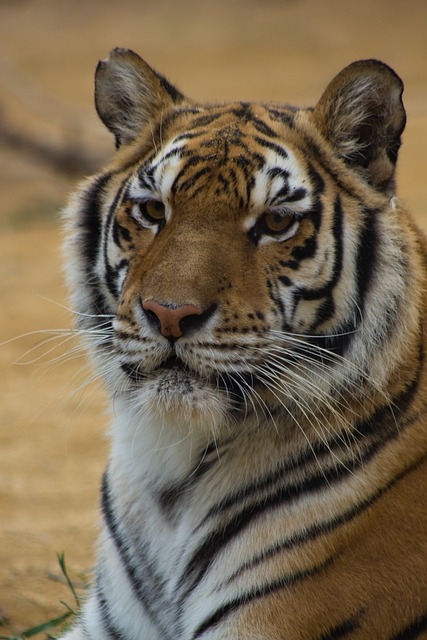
(153, 211)
(149, 213)
(277, 223)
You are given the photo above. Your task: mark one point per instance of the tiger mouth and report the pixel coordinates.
(231, 383)
(173, 363)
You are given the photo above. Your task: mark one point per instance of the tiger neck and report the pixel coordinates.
(158, 453)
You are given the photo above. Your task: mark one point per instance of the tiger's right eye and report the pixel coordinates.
(150, 213)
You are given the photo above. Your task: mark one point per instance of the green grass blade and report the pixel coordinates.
(45, 626)
(61, 560)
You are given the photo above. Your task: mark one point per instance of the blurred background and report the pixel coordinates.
(52, 421)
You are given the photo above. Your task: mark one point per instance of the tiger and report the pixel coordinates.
(252, 294)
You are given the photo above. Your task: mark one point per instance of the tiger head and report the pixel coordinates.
(242, 259)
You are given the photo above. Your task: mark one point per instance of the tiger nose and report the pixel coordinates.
(172, 322)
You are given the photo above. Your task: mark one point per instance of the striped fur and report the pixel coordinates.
(267, 476)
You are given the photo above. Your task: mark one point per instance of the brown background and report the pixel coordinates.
(52, 443)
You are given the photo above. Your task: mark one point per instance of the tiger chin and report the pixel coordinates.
(253, 295)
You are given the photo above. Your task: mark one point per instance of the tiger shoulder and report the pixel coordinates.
(253, 294)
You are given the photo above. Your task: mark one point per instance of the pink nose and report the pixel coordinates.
(169, 319)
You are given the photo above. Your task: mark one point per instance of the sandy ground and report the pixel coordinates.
(52, 421)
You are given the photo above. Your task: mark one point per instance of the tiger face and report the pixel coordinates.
(228, 250)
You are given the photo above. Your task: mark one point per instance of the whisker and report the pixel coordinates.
(312, 418)
(329, 355)
(74, 312)
(63, 340)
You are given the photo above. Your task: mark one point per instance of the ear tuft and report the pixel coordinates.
(129, 94)
(362, 115)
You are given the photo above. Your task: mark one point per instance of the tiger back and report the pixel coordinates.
(253, 295)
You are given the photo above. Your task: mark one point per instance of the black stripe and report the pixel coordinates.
(191, 161)
(187, 135)
(244, 112)
(191, 181)
(268, 144)
(263, 128)
(322, 158)
(146, 171)
(223, 181)
(326, 527)
(90, 236)
(286, 117)
(278, 172)
(284, 582)
(91, 219)
(318, 187)
(366, 255)
(148, 590)
(294, 196)
(189, 110)
(108, 626)
(206, 119)
(327, 289)
(113, 529)
(344, 628)
(111, 273)
(121, 235)
(204, 555)
(305, 250)
(145, 176)
(401, 403)
(268, 482)
(316, 180)
(275, 296)
(327, 308)
(324, 312)
(413, 630)
(234, 182)
(337, 343)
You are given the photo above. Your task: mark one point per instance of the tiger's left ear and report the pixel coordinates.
(129, 94)
(362, 115)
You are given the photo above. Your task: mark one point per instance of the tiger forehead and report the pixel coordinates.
(230, 131)
(230, 156)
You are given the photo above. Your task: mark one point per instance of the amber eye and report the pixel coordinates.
(150, 213)
(277, 223)
(153, 211)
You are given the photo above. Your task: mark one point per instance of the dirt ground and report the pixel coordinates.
(52, 419)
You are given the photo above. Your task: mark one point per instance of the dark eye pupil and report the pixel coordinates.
(158, 206)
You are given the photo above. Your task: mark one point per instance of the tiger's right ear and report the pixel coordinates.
(129, 93)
